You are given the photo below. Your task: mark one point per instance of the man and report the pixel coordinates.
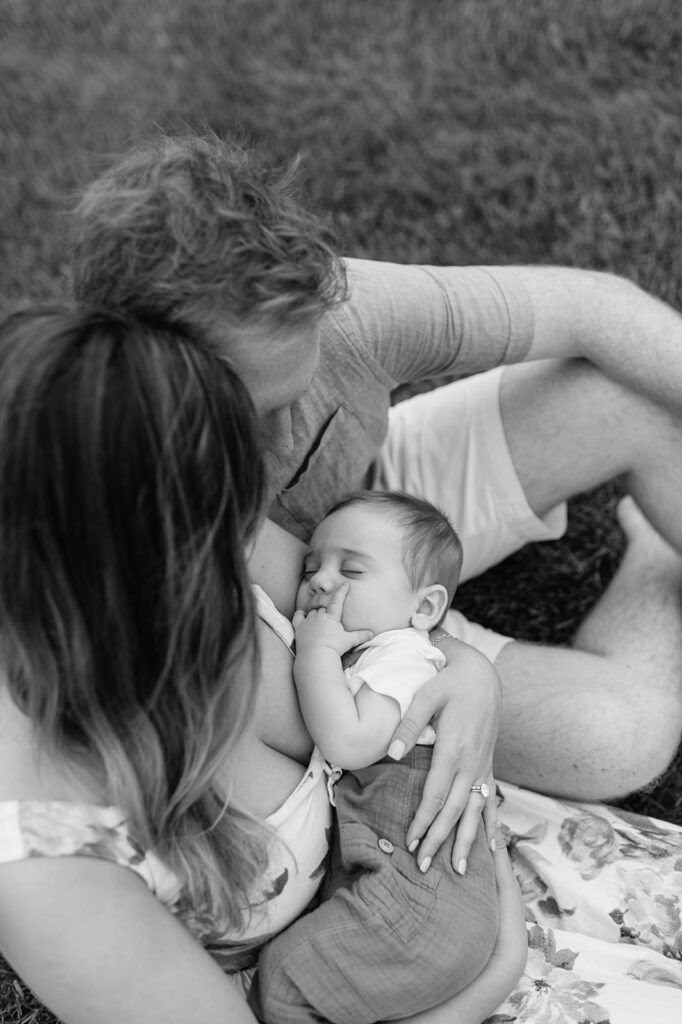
(591, 387)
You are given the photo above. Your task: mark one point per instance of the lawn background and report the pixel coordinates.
(477, 131)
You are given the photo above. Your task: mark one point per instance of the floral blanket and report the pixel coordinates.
(603, 896)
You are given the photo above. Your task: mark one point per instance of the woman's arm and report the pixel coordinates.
(465, 702)
(94, 944)
(497, 979)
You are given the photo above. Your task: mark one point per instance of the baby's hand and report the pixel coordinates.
(322, 627)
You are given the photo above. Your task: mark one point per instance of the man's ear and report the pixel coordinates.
(432, 605)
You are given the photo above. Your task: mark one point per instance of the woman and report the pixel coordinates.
(144, 778)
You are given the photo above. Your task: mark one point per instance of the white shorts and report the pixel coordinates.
(449, 447)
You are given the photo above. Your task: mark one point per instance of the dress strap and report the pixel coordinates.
(272, 617)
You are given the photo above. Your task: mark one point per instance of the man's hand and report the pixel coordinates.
(465, 701)
(322, 627)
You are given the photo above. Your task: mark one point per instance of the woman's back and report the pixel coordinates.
(130, 485)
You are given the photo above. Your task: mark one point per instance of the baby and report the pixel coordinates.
(390, 937)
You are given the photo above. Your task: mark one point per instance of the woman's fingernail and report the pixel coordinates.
(492, 844)
(396, 750)
(462, 867)
(413, 845)
(425, 865)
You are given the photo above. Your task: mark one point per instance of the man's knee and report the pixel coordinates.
(655, 720)
(553, 410)
(585, 727)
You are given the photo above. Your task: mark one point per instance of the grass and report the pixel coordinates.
(492, 131)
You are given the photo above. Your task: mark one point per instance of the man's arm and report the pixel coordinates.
(422, 322)
(631, 336)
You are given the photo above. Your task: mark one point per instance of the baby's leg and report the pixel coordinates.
(387, 943)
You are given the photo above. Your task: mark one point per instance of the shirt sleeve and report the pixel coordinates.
(397, 670)
(410, 323)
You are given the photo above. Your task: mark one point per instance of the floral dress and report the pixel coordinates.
(603, 896)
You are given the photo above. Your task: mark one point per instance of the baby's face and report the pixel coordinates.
(362, 548)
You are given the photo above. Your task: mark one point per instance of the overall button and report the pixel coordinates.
(385, 845)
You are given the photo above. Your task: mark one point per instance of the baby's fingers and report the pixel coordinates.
(336, 602)
(358, 636)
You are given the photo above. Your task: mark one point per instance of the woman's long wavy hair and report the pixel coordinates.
(130, 484)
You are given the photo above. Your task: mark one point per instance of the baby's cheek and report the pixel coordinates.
(302, 597)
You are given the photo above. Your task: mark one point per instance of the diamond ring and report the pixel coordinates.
(483, 789)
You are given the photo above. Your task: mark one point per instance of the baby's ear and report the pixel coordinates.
(433, 603)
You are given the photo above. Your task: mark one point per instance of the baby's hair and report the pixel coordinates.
(431, 552)
(202, 231)
(130, 482)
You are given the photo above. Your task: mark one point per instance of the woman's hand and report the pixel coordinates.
(465, 701)
(510, 953)
(496, 981)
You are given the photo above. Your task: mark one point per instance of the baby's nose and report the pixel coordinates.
(321, 582)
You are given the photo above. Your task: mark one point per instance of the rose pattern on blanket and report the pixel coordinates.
(549, 990)
(590, 841)
(602, 890)
(644, 970)
(649, 910)
(622, 870)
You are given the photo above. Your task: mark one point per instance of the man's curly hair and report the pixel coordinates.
(195, 229)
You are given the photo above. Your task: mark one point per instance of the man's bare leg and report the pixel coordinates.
(570, 429)
(605, 717)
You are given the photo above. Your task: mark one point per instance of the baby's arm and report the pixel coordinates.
(351, 731)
